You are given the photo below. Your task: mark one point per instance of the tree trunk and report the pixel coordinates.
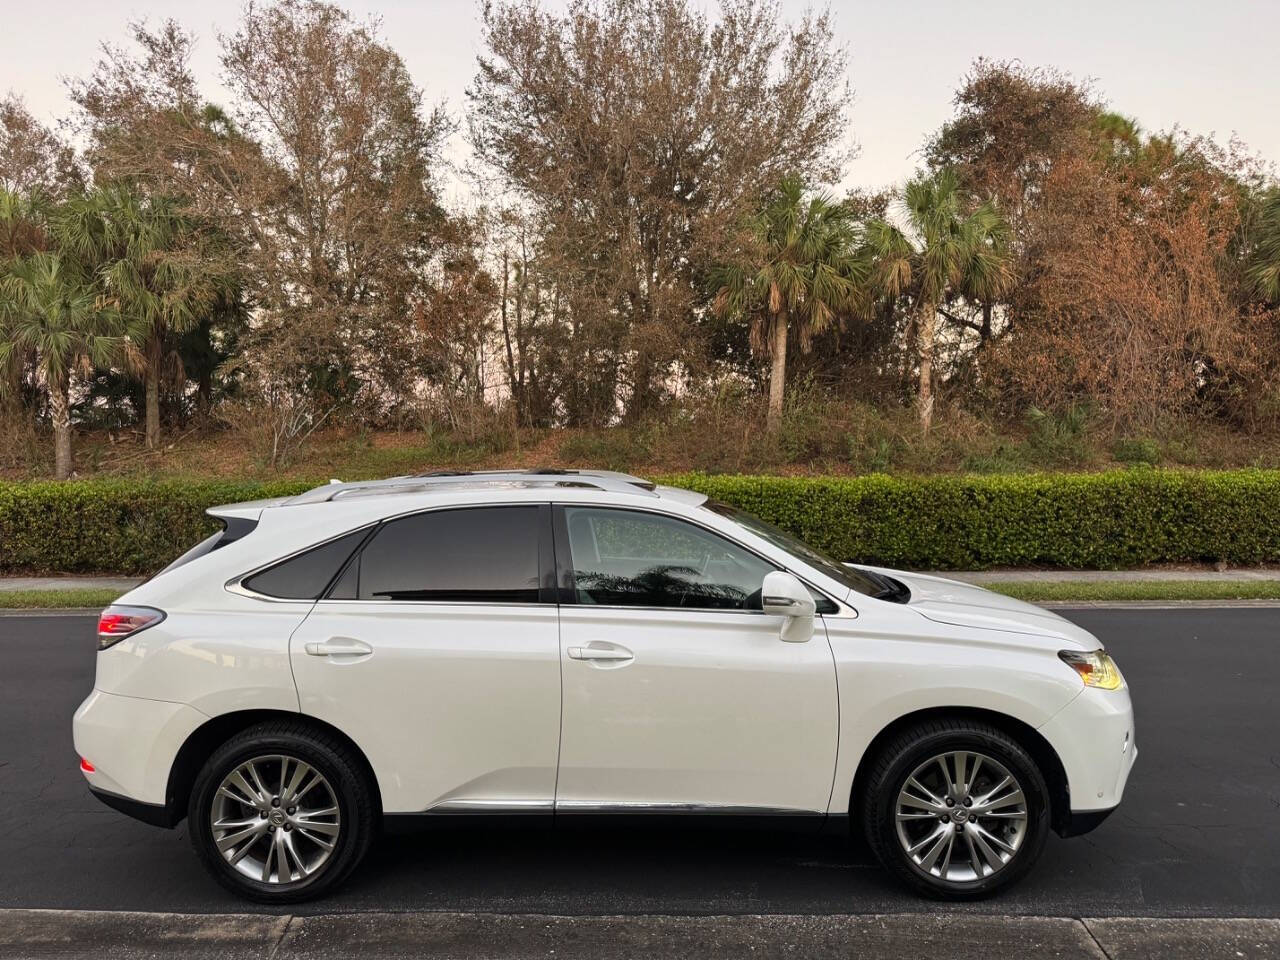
(204, 397)
(153, 391)
(928, 326)
(777, 371)
(60, 413)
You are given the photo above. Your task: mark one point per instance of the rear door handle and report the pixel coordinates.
(600, 652)
(338, 647)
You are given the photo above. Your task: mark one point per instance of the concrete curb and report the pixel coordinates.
(470, 936)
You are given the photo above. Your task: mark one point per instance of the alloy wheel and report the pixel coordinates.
(961, 816)
(275, 819)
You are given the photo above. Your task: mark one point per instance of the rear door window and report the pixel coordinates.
(469, 555)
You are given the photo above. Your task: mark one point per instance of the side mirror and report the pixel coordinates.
(782, 594)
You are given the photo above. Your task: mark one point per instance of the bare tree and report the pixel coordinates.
(33, 158)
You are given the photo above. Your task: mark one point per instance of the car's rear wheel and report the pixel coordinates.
(956, 809)
(281, 813)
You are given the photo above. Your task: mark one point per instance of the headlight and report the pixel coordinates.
(1096, 668)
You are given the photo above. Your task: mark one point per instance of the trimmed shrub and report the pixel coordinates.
(112, 526)
(1112, 520)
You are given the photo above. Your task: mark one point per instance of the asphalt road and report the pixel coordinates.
(1198, 834)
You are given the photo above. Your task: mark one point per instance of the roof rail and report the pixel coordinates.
(426, 482)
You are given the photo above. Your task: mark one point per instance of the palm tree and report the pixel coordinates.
(801, 271)
(941, 250)
(152, 271)
(48, 308)
(1264, 267)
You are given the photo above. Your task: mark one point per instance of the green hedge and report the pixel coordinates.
(1109, 520)
(112, 526)
(1105, 520)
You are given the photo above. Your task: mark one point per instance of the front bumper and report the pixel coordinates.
(131, 743)
(1093, 736)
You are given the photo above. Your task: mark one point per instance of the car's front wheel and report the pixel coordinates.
(957, 809)
(281, 813)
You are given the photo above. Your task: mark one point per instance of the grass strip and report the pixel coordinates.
(1141, 590)
(56, 599)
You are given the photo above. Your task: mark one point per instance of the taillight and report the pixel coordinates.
(117, 622)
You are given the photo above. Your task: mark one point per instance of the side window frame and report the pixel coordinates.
(568, 594)
(547, 593)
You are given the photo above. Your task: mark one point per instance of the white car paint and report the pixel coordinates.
(468, 707)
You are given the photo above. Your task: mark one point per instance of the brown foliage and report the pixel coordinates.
(1131, 307)
(639, 133)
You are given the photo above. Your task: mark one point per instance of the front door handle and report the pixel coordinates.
(600, 652)
(338, 647)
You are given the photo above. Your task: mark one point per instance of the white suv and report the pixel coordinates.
(567, 642)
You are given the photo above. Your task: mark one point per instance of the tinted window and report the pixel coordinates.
(476, 555)
(628, 558)
(305, 576)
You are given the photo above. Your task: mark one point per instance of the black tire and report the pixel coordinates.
(915, 746)
(330, 757)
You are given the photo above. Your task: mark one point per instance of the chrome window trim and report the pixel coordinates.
(235, 584)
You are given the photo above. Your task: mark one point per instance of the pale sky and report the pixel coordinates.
(1210, 68)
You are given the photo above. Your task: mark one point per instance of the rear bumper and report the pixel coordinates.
(131, 744)
(156, 814)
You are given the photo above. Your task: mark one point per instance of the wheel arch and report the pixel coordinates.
(1041, 751)
(206, 738)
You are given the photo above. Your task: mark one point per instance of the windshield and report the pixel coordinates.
(863, 581)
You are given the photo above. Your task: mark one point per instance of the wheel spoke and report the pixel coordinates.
(1014, 796)
(937, 801)
(946, 859)
(237, 824)
(289, 793)
(980, 842)
(973, 773)
(230, 840)
(960, 784)
(263, 792)
(257, 798)
(975, 861)
(945, 837)
(292, 856)
(980, 801)
(936, 835)
(318, 841)
(990, 838)
(325, 812)
(319, 826)
(272, 850)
